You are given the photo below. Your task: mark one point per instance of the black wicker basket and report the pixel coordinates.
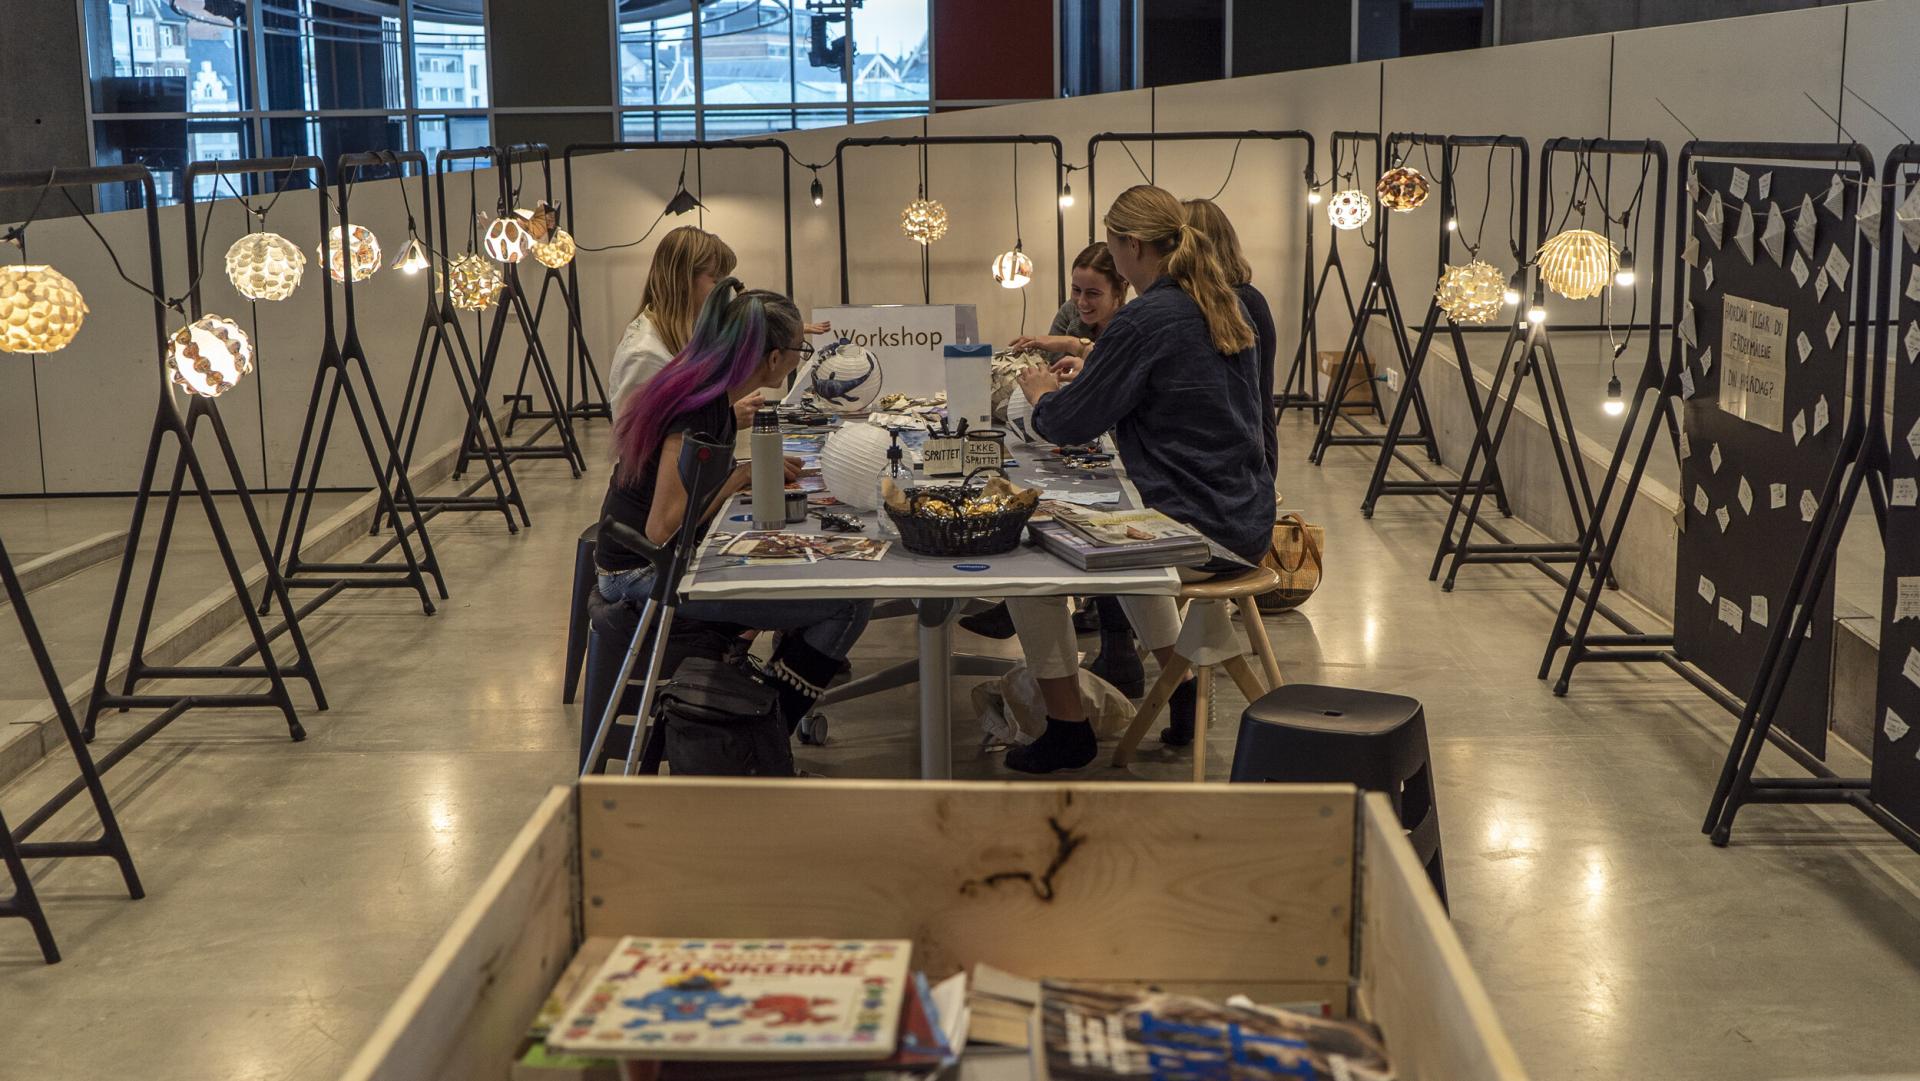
(934, 526)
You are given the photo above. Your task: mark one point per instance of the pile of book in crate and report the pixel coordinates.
(1117, 540)
(669, 1009)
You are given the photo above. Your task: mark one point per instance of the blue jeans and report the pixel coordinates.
(829, 626)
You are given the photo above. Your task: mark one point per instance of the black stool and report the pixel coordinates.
(584, 580)
(1376, 742)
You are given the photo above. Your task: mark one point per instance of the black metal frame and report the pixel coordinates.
(1304, 372)
(1378, 485)
(925, 141)
(15, 848)
(558, 417)
(521, 403)
(438, 318)
(341, 353)
(1536, 359)
(1377, 298)
(579, 358)
(1864, 456)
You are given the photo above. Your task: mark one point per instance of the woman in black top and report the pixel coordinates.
(1207, 217)
(1098, 292)
(1174, 378)
(743, 340)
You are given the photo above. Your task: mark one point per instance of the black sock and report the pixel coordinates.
(1180, 709)
(1064, 745)
(801, 674)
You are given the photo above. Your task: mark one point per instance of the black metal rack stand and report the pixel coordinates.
(924, 141)
(1377, 298)
(341, 354)
(1301, 374)
(15, 848)
(441, 333)
(1864, 456)
(552, 281)
(579, 357)
(1378, 485)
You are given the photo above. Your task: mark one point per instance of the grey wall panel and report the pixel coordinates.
(20, 424)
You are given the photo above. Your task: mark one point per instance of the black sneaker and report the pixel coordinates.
(1180, 710)
(1064, 745)
(995, 623)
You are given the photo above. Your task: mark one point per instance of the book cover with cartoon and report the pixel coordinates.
(740, 999)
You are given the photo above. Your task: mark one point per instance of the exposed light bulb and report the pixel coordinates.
(1536, 315)
(1313, 197)
(1066, 195)
(413, 258)
(1615, 404)
(1453, 224)
(1510, 297)
(1623, 276)
(819, 194)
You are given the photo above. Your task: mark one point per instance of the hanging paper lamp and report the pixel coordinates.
(209, 356)
(924, 221)
(265, 266)
(413, 258)
(361, 247)
(1349, 209)
(1404, 188)
(851, 462)
(1013, 270)
(40, 309)
(1578, 263)
(472, 283)
(557, 252)
(1472, 294)
(508, 240)
(845, 379)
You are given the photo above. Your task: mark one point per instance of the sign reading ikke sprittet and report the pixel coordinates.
(1753, 357)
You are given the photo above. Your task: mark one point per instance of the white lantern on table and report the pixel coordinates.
(851, 462)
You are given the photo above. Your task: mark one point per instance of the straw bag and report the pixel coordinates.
(1295, 556)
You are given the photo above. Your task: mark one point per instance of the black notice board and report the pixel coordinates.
(1896, 738)
(1739, 546)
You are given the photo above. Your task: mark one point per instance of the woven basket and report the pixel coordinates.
(927, 529)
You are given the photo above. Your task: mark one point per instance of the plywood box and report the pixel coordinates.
(1284, 892)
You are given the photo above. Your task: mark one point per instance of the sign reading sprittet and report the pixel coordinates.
(1753, 352)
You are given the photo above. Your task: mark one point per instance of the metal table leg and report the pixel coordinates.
(936, 686)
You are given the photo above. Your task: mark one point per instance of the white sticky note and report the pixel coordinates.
(1737, 187)
(1713, 458)
(1706, 362)
(1774, 236)
(1721, 515)
(1746, 496)
(1706, 274)
(1691, 250)
(1909, 217)
(1803, 345)
(1800, 270)
(1906, 598)
(1757, 610)
(1838, 266)
(1689, 332)
(1912, 341)
(1911, 669)
(1743, 232)
(1906, 492)
(1706, 589)
(1867, 217)
(1776, 496)
(1700, 500)
(1913, 439)
(1837, 196)
(1686, 382)
(1893, 726)
(1913, 284)
(1799, 427)
(1686, 445)
(1808, 505)
(1765, 186)
(1820, 415)
(1820, 284)
(1834, 327)
(1805, 226)
(1731, 615)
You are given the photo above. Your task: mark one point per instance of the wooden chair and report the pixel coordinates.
(1239, 591)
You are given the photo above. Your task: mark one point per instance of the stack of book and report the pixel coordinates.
(1119, 540)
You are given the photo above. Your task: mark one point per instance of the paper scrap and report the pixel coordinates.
(1912, 341)
(1776, 496)
(1721, 515)
(1713, 457)
(1686, 383)
(1906, 492)
(1706, 589)
(1706, 274)
(1908, 215)
(1805, 226)
(1774, 236)
(1906, 598)
(1913, 284)
(1911, 669)
(1837, 197)
(1737, 187)
(1746, 496)
(1765, 185)
(1804, 345)
(1706, 362)
(1893, 726)
(1799, 427)
(1820, 284)
(1838, 266)
(1700, 501)
(1834, 327)
(1686, 445)
(1693, 185)
(1757, 610)
(1743, 232)
(1913, 439)
(1808, 505)
(1867, 217)
(1800, 270)
(1714, 219)
(1691, 250)
(1689, 333)
(1820, 417)
(1731, 615)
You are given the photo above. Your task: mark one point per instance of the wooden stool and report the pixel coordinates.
(1241, 591)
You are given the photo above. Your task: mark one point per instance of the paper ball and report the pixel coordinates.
(1578, 263)
(557, 252)
(1013, 270)
(1404, 188)
(361, 246)
(1007, 366)
(209, 355)
(507, 240)
(265, 266)
(1020, 417)
(845, 379)
(924, 221)
(40, 309)
(1349, 209)
(473, 284)
(1474, 293)
(851, 462)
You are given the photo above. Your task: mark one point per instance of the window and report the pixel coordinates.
(321, 56)
(166, 56)
(890, 51)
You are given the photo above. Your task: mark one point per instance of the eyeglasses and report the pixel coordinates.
(805, 349)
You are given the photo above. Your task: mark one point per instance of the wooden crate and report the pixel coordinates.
(1208, 888)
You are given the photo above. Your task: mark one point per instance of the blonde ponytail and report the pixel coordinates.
(1153, 216)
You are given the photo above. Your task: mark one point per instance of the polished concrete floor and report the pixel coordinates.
(294, 887)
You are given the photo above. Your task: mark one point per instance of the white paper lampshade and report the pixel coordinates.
(1578, 263)
(1020, 417)
(265, 266)
(851, 462)
(40, 309)
(1349, 209)
(508, 240)
(360, 247)
(1013, 270)
(846, 379)
(209, 356)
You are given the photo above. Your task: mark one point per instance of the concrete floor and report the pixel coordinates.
(294, 888)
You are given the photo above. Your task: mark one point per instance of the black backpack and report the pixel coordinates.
(723, 720)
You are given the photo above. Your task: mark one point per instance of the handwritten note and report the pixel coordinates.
(1700, 500)
(1913, 284)
(1909, 217)
(1731, 615)
(1691, 251)
(1706, 361)
(1800, 270)
(1720, 515)
(1774, 236)
(1765, 186)
(1911, 669)
(1913, 439)
(1776, 496)
(1714, 219)
(1686, 383)
(1757, 610)
(1753, 360)
(1808, 505)
(1686, 445)
(1689, 331)
(1713, 458)
(1906, 598)
(1805, 227)
(1834, 326)
(1706, 274)
(1799, 427)
(1837, 197)
(1737, 187)
(1893, 726)
(1743, 232)
(1912, 341)
(1706, 589)
(1906, 493)
(1820, 417)
(1820, 284)
(1838, 266)
(1746, 496)
(1803, 345)
(1867, 217)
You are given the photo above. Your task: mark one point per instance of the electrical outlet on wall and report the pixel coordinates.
(1393, 380)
